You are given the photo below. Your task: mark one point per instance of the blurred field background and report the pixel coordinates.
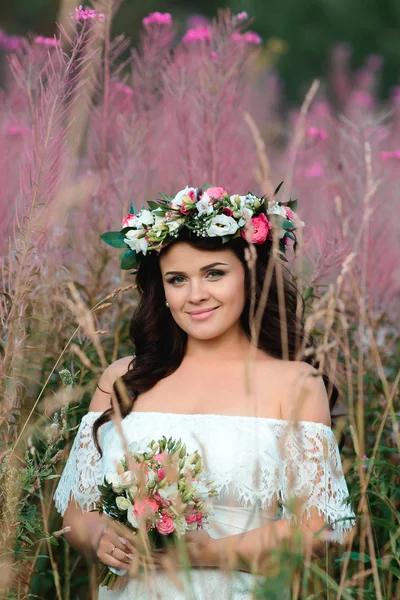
(91, 120)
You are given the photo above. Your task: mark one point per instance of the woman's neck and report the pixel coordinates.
(232, 344)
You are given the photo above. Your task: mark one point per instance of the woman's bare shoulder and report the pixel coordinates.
(101, 399)
(307, 398)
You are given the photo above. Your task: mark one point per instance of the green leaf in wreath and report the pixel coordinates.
(114, 239)
(132, 210)
(128, 260)
(292, 204)
(153, 205)
(278, 188)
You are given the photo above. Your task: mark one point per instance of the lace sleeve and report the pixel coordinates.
(311, 469)
(83, 471)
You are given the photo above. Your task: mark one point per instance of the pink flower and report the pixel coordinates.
(18, 130)
(260, 229)
(87, 14)
(161, 473)
(123, 88)
(315, 171)
(227, 211)
(45, 41)
(165, 525)
(193, 518)
(160, 457)
(145, 507)
(157, 18)
(242, 15)
(197, 34)
(318, 133)
(215, 192)
(251, 38)
(290, 214)
(386, 155)
(127, 221)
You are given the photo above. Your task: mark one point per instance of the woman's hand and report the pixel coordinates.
(197, 548)
(113, 548)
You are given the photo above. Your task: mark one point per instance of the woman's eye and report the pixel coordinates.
(176, 279)
(215, 274)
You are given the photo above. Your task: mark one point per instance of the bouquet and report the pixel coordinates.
(158, 488)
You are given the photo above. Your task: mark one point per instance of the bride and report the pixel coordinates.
(202, 372)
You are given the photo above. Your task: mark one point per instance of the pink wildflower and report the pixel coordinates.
(317, 133)
(386, 155)
(87, 14)
(18, 130)
(242, 15)
(157, 18)
(251, 38)
(45, 41)
(123, 88)
(198, 34)
(315, 171)
(165, 525)
(362, 98)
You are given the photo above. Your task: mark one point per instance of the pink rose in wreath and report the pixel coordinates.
(215, 192)
(260, 227)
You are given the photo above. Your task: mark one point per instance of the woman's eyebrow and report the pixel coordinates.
(210, 266)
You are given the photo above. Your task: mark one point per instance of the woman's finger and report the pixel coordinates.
(112, 561)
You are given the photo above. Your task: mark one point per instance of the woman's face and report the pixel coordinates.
(204, 289)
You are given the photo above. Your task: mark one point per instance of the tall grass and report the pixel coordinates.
(89, 125)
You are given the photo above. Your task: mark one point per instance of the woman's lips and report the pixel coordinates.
(201, 315)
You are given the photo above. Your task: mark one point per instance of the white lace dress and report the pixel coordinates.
(257, 464)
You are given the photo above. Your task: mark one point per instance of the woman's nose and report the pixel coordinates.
(198, 292)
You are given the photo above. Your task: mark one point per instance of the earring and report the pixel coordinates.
(166, 304)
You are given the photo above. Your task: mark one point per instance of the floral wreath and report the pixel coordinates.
(207, 212)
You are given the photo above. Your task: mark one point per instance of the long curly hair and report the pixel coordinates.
(160, 344)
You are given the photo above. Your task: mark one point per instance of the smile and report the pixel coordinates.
(200, 315)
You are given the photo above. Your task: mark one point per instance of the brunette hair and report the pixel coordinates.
(160, 344)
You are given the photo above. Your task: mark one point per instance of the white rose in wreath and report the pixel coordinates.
(222, 225)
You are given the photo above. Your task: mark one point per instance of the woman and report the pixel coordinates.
(205, 372)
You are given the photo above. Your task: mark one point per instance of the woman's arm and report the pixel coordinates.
(91, 533)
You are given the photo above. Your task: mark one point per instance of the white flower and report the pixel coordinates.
(122, 502)
(201, 491)
(171, 492)
(246, 214)
(276, 209)
(146, 217)
(174, 225)
(238, 201)
(113, 479)
(204, 206)
(131, 237)
(126, 479)
(151, 476)
(132, 517)
(181, 526)
(177, 201)
(140, 447)
(222, 225)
